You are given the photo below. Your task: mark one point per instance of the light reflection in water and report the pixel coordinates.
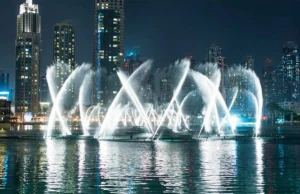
(218, 164)
(116, 168)
(81, 166)
(131, 175)
(56, 151)
(281, 161)
(259, 165)
(170, 165)
(28, 127)
(3, 166)
(23, 178)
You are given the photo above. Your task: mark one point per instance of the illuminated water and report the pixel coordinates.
(128, 108)
(90, 166)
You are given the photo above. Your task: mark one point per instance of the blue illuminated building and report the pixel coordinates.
(5, 92)
(108, 47)
(4, 81)
(5, 97)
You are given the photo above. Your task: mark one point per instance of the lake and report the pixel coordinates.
(92, 166)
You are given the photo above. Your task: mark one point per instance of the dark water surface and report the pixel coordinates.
(90, 166)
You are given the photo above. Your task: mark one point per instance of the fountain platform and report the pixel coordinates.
(84, 137)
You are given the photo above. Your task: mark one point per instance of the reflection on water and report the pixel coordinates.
(35, 130)
(218, 165)
(259, 165)
(56, 153)
(3, 166)
(90, 166)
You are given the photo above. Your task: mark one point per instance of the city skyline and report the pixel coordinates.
(150, 96)
(236, 42)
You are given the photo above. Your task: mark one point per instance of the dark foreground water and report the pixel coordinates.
(90, 166)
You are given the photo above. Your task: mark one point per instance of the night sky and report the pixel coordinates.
(168, 29)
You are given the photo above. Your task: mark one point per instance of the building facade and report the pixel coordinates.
(290, 72)
(5, 111)
(64, 55)
(248, 62)
(4, 81)
(5, 91)
(290, 106)
(28, 52)
(44, 96)
(163, 87)
(108, 47)
(214, 55)
(44, 91)
(268, 79)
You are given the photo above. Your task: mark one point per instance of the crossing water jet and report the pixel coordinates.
(129, 110)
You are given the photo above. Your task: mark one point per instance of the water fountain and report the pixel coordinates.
(152, 119)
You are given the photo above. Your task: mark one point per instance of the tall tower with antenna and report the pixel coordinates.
(28, 52)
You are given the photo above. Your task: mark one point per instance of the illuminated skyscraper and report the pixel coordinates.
(271, 86)
(163, 86)
(28, 51)
(5, 92)
(4, 81)
(248, 62)
(44, 91)
(44, 95)
(214, 55)
(64, 52)
(108, 45)
(290, 72)
(64, 44)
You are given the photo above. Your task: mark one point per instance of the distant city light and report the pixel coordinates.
(280, 121)
(27, 117)
(4, 95)
(45, 103)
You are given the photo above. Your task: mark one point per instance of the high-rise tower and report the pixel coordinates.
(108, 45)
(214, 55)
(64, 44)
(28, 51)
(290, 72)
(248, 62)
(64, 53)
(268, 80)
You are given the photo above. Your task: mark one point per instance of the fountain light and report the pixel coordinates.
(216, 114)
